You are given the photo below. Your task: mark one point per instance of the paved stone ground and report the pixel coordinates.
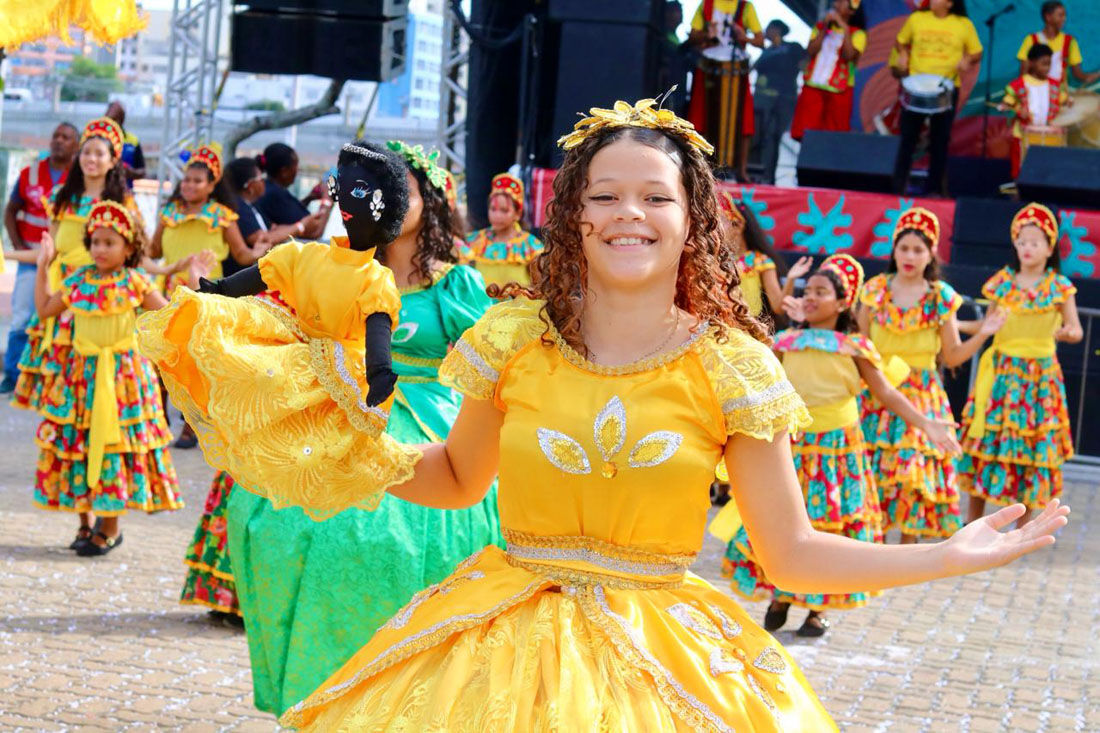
(101, 644)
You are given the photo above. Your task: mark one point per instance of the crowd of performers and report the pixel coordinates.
(355, 522)
(935, 48)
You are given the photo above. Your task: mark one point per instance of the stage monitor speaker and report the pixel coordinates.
(1063, 176)
(981, 233)
(337, 48)
(851, 160)
(377, 9)
(598, 63)
(609, 11)
(977, 177)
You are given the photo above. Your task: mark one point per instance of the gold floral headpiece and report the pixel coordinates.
(644, 113)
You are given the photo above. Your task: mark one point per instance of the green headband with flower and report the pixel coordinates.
(424, 162)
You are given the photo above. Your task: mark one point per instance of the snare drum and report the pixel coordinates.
(927, 94)
(1051, 136)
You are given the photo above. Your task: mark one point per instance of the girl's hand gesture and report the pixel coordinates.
(942, 435)
(792, 306)
(799, 269)
(982, 545)
(993, 321)
(46, 250)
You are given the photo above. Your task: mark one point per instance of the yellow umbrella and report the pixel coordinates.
(105, 21)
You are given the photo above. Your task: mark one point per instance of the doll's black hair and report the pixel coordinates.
(390, 169)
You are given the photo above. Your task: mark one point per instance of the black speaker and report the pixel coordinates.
(324, 45)
(348, 8)
(982, 234)
(600, 62)
(976, 176)
(609, 11)
(852, 160)
(1064, 176)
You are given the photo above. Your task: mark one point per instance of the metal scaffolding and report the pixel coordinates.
(195, 40)
(454, 74)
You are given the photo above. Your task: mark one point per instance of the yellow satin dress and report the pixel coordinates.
(189, 234)
(277, 396)
(589, 620)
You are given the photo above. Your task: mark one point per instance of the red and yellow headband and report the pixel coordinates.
(728, 206)
(1037, 215)
(851, 274)
(112, 215)
(508, 185)
(210, 156)
(107, 129)
(921, 220)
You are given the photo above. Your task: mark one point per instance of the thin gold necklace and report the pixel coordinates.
(675, 327)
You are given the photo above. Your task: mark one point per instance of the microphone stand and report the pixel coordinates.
(991, 22)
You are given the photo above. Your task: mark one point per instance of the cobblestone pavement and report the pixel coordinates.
(101, 643)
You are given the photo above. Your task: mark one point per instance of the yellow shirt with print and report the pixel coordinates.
(1057, 44)
(936, 44)
(749, 21)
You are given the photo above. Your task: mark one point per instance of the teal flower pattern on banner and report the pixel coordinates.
(758, 209)
(1079, 262)
(884, 230)
(824, 236)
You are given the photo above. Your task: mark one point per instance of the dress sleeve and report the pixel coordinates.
(905, 35)
(1075, 57)
(859, 40)
(948, 301)
(752, 21)
(474, 365)
(462, 301)
(971, 43)
(873, 292)
(751, 388)
(379, 293)
(71, 284)
(994, 285)
(1063, 288)
(277, 266)
(763, 263)
(1025, 46)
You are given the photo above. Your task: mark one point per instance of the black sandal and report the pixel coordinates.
(83, 535)
(813, 630)
(91, 549)
(776, 617)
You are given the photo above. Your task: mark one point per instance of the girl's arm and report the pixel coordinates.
(941, 434)
(26, 256)
(1071, 331)
(798, 269)
(46, 304)
(770, 280)
(153, 300)
(863, 319)
(800, 559)
(956, 351)
(968, 327)
(241, 253)
(457, 474)
(156, 246)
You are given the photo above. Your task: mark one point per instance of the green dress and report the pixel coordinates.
(313, 593)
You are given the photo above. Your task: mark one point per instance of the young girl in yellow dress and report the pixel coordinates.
(504, 250)
(829, 364)
(604, 404)
(295, 401)
(909, 313)
(1015, 425)
(103, 436)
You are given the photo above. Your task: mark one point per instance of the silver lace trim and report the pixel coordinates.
(592, 557)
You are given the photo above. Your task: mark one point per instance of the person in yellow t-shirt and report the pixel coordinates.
(1066, 56)
(721, 25)
(942, 41)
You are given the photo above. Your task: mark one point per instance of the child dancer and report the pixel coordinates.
(209, 580)
(1016, 425)
(103, 435)
(314, 418)
(909, 313)
(504, 250)
(836, 43)
(827, 364)
(1034, 99)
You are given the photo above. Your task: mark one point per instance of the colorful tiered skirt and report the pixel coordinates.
(841, 498)
(41, 364)
(1027, 435)
(916, 481)
(209, 579)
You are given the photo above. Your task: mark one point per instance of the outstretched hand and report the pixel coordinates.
(792, 306)
(46, 250)
(981, 545)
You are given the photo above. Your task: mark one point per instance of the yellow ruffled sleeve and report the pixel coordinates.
(277, 267)
(751, 388)
(379, 294)
(474, 365)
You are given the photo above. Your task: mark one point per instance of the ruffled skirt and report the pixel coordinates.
(1027, 435)
(916, 481)
(841, 498)
(209, 580)
(284, 414)
(137, 471)
(498, 647)
(41, 365)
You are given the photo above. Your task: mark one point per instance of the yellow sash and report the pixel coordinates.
(1021, 348)
(834, 416)
(105, 428)
(921, 360)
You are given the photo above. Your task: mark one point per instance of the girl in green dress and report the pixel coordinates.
(311, 592)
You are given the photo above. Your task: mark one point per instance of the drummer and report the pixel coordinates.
(836, 42)
(1034, 97)
(942, 41)
(719, 27)
(1066, 52)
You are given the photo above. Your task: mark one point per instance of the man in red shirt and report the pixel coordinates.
(25, 221)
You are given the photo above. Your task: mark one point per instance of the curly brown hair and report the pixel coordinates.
(435, 240)
(707, 285)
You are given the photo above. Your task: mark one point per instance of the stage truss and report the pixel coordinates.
(454, 74)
